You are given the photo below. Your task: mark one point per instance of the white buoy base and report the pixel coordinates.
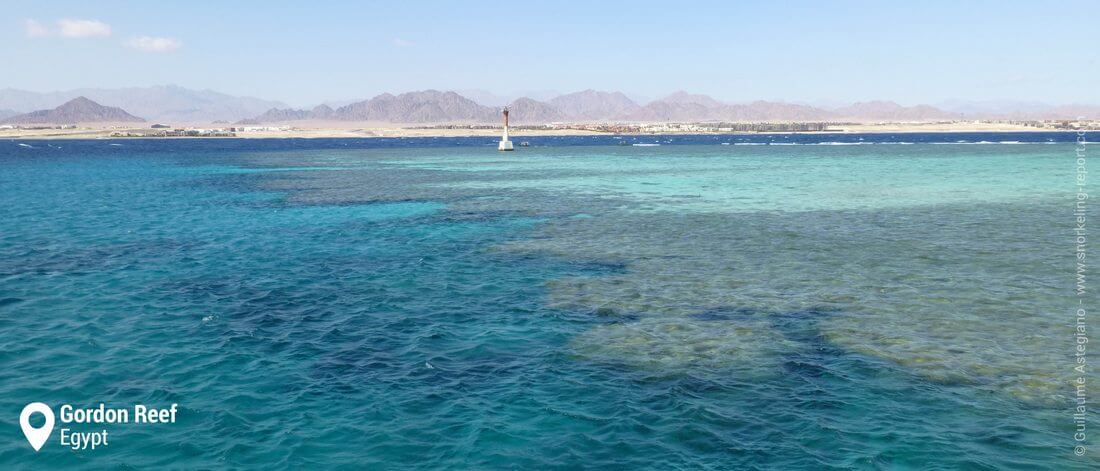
(505, 145)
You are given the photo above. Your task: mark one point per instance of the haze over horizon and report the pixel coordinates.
(820, 55)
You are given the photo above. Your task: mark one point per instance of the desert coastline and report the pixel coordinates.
(308, 130)
(281, 130)
(156, 112)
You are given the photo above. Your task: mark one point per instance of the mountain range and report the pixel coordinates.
(429, 106)
(167, 103)
(174, 104)
(433, 106)
(77, 110)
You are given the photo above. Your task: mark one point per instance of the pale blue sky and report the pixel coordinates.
(814, 51)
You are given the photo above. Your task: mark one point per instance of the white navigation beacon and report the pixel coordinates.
(505, 144)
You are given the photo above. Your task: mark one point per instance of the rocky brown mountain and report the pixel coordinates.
(428, 106)
(322, 112)
(276, 115)
(528, 111)
(77, 110)
(592, 105)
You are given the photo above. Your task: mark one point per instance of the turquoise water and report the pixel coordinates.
(326, 305)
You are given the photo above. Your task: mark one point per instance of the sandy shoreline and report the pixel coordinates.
(369, 130)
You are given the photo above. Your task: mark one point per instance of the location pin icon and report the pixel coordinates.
(37, 436)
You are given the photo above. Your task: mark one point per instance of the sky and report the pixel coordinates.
(815, 52)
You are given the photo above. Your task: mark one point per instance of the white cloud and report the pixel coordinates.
(154, 44)
(402, 42)
(73, 28)
(35, 29)
(78, 28)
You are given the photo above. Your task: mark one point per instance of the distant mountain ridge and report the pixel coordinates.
(1020, 110)
(174, 104)
(77, 110)
(527, 110)
(433, 106)
(428, 106)
(890, 111)
(168, 103)
(682, 97)
(594, 105)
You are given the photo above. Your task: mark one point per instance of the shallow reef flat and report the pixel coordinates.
(572, 304)
(933, 257)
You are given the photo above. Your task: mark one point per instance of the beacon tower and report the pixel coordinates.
(505, 143)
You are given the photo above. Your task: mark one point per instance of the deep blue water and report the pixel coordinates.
(430, 303)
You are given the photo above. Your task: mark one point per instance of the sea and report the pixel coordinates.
(771, 301)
